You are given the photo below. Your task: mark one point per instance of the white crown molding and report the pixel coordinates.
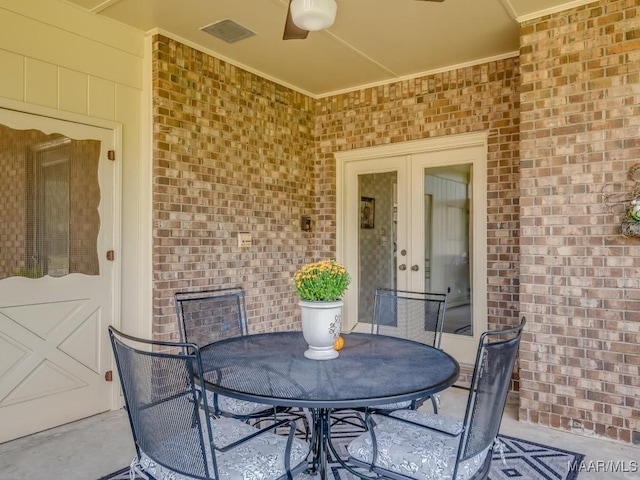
(446, 142)
(230, 61)
(215, 54)
(426, 73)
(548, 11)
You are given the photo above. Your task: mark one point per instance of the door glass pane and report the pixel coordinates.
(50, 216)
(50, 196)
(377, 235)
(447, 242)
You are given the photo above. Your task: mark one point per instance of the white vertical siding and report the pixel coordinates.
(58, 56)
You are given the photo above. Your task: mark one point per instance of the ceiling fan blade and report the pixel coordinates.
(291, 30)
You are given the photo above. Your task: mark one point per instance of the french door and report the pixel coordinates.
(413, 217)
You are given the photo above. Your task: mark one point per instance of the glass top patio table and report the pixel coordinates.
(371, 370)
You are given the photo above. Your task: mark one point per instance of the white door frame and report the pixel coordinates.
(455, 344)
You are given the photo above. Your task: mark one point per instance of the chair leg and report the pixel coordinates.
(435, 402)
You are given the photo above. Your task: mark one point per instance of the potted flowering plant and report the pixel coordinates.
(320, 286)
(324, 281)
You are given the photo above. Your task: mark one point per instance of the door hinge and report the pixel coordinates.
(108, 376)
(110, 255)
(111, 154)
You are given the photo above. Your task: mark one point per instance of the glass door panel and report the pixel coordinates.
(53, 196)
(446, 242)
(375, 208)
(377, 238)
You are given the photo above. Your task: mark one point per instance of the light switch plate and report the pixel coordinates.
(244, 239)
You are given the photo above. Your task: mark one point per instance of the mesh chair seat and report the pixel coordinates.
(411, 451)
(261, 457)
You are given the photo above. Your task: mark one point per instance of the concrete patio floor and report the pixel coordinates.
(96, 446)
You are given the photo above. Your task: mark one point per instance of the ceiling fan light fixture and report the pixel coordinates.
(313, 15)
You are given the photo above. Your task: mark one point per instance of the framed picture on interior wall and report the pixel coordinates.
(367, 212)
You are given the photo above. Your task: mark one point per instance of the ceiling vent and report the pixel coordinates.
(228, 30)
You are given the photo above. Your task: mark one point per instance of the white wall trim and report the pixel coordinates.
(386, 81)
(474, 140)
(425, 73)
(41, 111)
(415, 146)
(551, 11)
(391, 150)
(145, 197)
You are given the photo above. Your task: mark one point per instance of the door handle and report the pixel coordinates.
(402, 267)
(415, 268)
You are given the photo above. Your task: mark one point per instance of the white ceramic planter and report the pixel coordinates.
(321, 325)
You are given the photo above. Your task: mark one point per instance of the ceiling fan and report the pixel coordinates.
(304, 16)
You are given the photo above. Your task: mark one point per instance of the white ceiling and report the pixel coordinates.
(372, 41)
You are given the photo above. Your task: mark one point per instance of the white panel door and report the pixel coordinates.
(57, 287)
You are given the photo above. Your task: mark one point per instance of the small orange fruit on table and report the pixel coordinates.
(339, 343)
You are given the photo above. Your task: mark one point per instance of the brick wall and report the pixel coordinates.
(477, 98)
(580, 279)
(232, 153)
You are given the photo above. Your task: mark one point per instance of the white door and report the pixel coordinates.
(375, 203)
(448, 241)
(57, 287)
(427, 231)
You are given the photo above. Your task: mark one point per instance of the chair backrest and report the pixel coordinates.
(415, 316)
(162, 402)
(212, 315)
(496, 357)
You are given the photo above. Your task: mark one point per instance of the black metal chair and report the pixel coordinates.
(174, 438)
(209, 316)
(410, 444)
(417, 316)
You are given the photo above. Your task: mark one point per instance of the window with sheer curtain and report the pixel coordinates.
(49, 195)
